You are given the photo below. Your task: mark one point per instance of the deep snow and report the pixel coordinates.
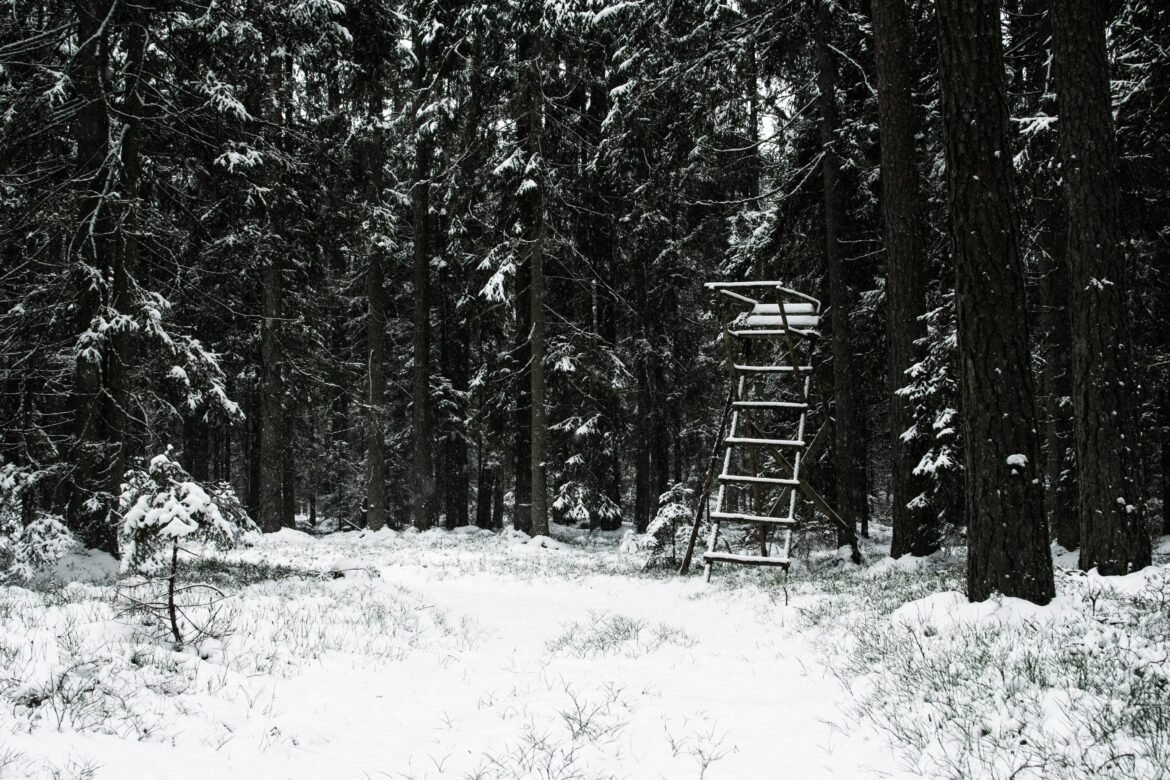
(438, 656)
(495, 656)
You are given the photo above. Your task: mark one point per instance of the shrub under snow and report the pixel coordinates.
(163, 506)
(26, 550)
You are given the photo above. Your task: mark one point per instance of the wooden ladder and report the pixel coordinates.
(784, 326)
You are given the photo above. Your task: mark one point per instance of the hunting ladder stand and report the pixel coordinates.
(768, 348)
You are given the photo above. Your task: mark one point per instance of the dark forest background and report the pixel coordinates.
(330, 252)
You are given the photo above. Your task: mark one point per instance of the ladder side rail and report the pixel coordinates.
(738, 297)
(792, 358)
(704, 502)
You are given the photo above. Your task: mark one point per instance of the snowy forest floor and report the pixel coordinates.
(492, 656)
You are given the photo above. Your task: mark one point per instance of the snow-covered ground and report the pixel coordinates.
(479, 655)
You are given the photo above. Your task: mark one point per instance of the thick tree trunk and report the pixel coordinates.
(849, 449)
(1114, 536)
(1006, 530)
(916, 528)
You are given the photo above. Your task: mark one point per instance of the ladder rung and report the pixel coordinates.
(791, 309)
(750, 560)
(763, 442)
(769, 405)
(758, 480)
(739, 517)
(773, 369)
(761, 333)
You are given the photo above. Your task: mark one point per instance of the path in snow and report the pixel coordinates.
(517, 671)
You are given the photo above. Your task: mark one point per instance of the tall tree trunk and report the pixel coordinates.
(423, 503)
(915, 522)
(91, 248)
(530, 126)
(1031, 34)
(375, 333)
(1007, 534)
(522, 416)
(120, 358)
(1114, 537)
(848, 445)
(271, 457)
(1057, 377)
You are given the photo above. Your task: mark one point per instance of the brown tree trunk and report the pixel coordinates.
(1007, 534)
(915, 522)
(1114, 536)
(849, 449)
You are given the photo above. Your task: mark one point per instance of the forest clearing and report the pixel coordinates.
(537, 658)
(584, 389)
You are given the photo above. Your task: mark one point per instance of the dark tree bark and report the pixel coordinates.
(849, 447)
(120, 358)
(915, 523)
(522, 417)
(530, 127)
(1031, 34)
(288, 484)
(196, 448)
(454, 364)
(1057, 377)
(375, 335)
(485, 487)
(1114, 537)
(1007, 535)
(251, 451)
(271, 455)
(1166, 482)
(423, 505)
(93, 475)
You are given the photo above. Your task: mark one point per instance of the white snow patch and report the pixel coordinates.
(88, 566)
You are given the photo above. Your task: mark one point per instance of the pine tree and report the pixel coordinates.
(1114, 537)
(1006, 530)
(915, 524)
